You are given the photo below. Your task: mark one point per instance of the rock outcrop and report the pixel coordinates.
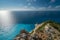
(45, 31)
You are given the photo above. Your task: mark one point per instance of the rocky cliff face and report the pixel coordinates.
(45, 31)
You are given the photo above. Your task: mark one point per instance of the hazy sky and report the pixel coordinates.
(9, 4)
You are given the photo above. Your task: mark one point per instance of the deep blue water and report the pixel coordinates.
(32, 17)
(26, 20)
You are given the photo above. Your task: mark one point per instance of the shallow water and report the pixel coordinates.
(26, 20)
(14, 30)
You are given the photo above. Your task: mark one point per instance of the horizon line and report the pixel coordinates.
(32, 9)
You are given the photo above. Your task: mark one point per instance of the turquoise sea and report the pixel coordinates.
(14, 30)
(26, 20)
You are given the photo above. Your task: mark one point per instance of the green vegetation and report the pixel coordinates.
(42, 27)
(31, 31)
(56, 26)
(52, 23)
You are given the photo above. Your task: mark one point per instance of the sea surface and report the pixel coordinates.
(26, 20)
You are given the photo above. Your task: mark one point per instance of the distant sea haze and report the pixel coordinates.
(32, 17)
(26, 20)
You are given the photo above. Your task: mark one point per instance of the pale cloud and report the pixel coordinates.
(49, 6)
(28, 0)
(57, 6)
(32, 8)
(42, 8)
(31, 1)
(34, 0)
(29, 7)
(52, 0)
(25, 6)
(29, 4)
